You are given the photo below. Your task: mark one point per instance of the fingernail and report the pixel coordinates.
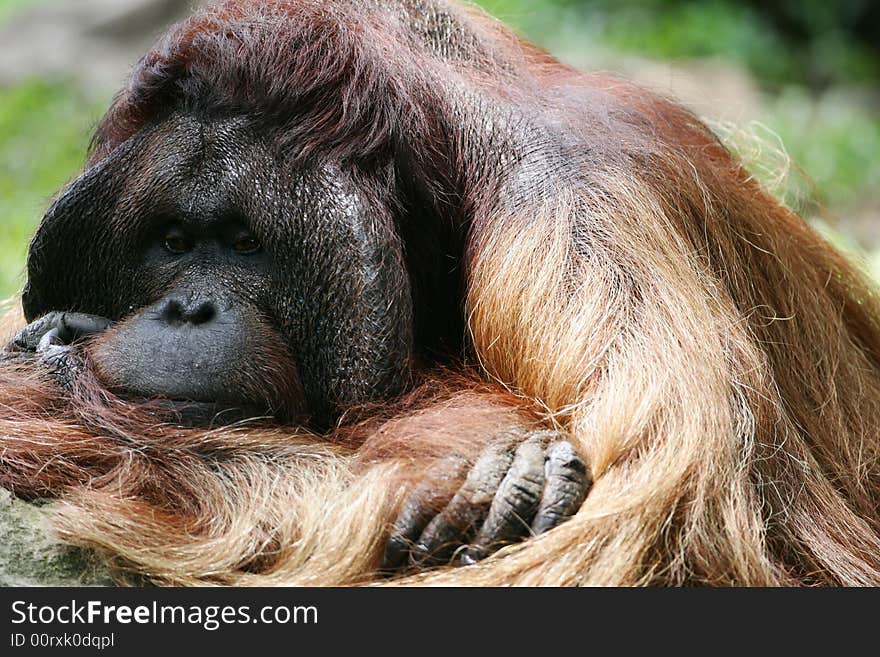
(470, 556)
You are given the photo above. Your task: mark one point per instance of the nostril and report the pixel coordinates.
(172, 312)
(175, 312)
(203, 313)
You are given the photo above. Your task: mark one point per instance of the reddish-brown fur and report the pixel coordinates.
(717, 363)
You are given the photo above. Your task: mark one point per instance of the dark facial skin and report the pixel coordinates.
(205, 332)
(230, 277)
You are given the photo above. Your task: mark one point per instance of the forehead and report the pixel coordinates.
(196, 170)
(227, 160)
(187, 147)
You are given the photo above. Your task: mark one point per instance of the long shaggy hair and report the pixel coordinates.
(715, 361)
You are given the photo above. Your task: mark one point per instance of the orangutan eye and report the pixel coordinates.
(246, 244)
(177, 242)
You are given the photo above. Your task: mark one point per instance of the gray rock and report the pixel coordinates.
(31, 556)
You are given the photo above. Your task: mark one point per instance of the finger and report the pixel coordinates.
(29, 337)
(422, 504)
(467, 510)
(567, 483)
(76, 326)
(51, 338)
(515, 503)
(57, 328)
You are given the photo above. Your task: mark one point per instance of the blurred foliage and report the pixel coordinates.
(808, 56)
(814, 42)
(747, 35)
(10, 7)
(835, 141)
(44, 132)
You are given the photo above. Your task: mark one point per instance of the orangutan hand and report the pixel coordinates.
(521, 485)
(49, 340)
